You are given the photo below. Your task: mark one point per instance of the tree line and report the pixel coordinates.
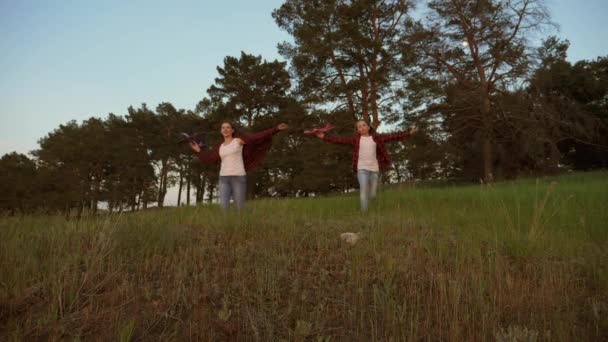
(489, 104)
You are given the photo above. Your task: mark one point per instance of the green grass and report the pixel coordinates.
(526, 258)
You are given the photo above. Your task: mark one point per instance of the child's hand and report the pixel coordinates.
(320, 135)
(195, 147)
(282, 127)
(413, 130)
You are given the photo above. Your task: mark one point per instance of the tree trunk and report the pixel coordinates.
(211, 191)
(160, 190)
(200, 189)
(162, 187)
(188, 186)
(373, 98)
(181, 184)
(364, 92)
(349, 95)
(373, 75)
(487, 152)
(95, 199)
(398, 173)
(133, 200)
(145, 202)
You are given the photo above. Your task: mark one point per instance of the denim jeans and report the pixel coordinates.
(235, 186)
(368, 186)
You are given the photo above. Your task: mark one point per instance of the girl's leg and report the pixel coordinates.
(373, 184)
(239, 190)
(364, 188)
(225, 191)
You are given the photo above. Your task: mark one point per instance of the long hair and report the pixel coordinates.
(237, 131)
(372, 131)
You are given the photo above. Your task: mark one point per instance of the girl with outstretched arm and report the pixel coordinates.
(238, 154)
(369, 156)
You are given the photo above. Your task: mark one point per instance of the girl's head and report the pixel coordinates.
(363, 128)
(228, 130)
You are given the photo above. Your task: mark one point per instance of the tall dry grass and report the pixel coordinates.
(515, 261)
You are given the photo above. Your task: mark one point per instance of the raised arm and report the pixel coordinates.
(208, 158)
(397, 136)
(247, 139)
(336, 140)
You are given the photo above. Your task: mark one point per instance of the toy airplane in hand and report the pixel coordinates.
(193, 138)
(328, 127)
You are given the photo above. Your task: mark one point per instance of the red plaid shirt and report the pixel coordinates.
(384, 159)
(254, 151)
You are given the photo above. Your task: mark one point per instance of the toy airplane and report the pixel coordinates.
(192, 138)
(328, 127)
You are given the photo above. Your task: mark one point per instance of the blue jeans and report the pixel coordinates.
(368, 186)
(235, 186)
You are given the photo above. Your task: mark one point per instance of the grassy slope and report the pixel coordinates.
(460, 263)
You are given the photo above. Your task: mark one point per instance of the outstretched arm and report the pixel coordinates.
(336, 140)
(263, 134)
(209, 158)
(397, 136)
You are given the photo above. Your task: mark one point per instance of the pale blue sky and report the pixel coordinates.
(62, 60)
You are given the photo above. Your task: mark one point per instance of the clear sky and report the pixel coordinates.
(62, 60)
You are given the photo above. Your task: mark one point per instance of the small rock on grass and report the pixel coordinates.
(350, 238)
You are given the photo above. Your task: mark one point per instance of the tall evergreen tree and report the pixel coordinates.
(346, 54)
(479, 47)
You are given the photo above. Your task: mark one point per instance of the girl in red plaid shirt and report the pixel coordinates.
(369, 156)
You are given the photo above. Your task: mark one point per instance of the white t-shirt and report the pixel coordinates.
(232, 159)
(367, 155)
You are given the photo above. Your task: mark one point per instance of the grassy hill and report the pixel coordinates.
(526, 258)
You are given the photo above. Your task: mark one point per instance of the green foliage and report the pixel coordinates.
(249, 88)
(488, 105)
(347, 54)
(17, 183)
(574, 97)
